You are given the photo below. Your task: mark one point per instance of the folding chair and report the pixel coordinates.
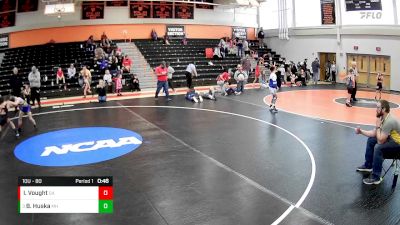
(395, 156)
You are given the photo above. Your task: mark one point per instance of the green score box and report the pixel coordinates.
(106, 206)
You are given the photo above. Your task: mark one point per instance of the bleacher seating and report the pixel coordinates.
(47, 58)
(253, 44)
(180, 56)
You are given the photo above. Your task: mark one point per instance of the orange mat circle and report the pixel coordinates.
(321, 104)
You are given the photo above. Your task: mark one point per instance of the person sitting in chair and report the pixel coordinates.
(384, 138)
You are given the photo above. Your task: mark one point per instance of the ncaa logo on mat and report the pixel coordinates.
(77, 146)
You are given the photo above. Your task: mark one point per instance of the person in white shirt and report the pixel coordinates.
(246, 48)
(273, 88)
(108, 80)
(241, 77)
(333, 71)
(190, 73)
(217, 53)
(35, 83)
(171, 71)
(71, 71)
(222, 46)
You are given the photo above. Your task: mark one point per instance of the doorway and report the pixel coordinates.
(369, 66)
(325, 63)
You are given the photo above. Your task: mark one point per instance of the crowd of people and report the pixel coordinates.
(111, 62)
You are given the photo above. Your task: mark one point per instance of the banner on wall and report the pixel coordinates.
(4, 41)
(140, 9)
(27, 5)
(204, 6)
(92, 10)
(162, 10)
(239, 32)
(7, 19)
(116, 3)
(361, 5)
(8, 5)
(328, 12)
(176, 31)
(184, 11)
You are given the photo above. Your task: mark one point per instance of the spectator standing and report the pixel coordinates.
(107, 78)
(15, 83)
(240, 76)
(315, 69)
(304, 65)
(90, 44)
(217, 53)
(171, 71)
(154, 35)
(190, 73)
(260, 37)
(282, 72)
(102, 91)
(118, 84)
(239, 45)
(222, 47)
(246, 48)
(113, 64)
(328, 70)
(355, 73)
(333, 72)
(35, 83)
(162, 80)
(246, 64)
(105, 42)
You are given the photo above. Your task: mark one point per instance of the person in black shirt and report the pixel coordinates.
(113, 65)
(15, 83)
(260, 37)
(135, 83)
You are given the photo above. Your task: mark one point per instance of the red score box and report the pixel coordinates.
(105, 193)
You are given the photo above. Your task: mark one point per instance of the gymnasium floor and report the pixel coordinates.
(221, 162)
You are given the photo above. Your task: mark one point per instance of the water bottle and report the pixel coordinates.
(52, 82)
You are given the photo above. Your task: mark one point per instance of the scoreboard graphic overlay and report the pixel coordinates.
(65, 194)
